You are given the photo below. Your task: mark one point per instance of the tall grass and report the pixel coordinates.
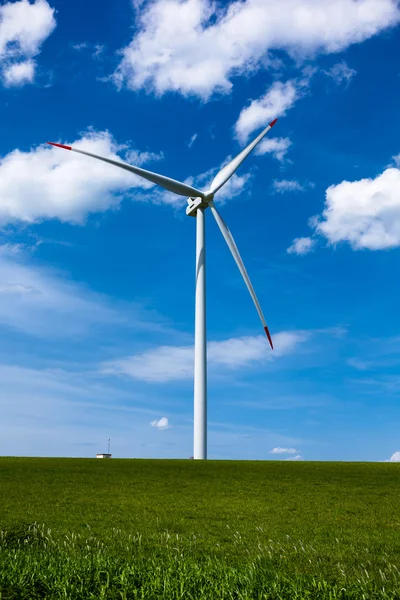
(36, 564)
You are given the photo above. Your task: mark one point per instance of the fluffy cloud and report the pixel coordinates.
(48, 182)
(395, 457)
(364, 213)
(169, 363)
(162, 423)
(302, 245)
(341, 72)
(19, 73)
(277, 100)
(279, 450)
(96, 50)
(23, 29)
(278, 147)
(165, 363)
(285, 185)
(234, 187)
(195, 47)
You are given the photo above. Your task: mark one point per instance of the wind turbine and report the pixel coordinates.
(198, 202)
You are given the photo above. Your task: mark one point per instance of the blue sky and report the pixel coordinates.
(97, 266)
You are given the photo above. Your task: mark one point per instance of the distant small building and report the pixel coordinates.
(106, 454)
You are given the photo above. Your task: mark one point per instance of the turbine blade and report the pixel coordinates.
(226, 172)
(177, 187)
(235, 253)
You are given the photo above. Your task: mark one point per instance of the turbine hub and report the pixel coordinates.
(195, 203)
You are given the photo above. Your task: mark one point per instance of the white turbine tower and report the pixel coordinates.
(198, 202)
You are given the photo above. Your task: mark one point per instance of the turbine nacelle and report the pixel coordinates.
(196, 203)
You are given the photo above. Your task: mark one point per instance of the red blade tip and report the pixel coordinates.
(269, 337)
(60, 145)
(273, 122)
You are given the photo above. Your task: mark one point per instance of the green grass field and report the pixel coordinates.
(87, 528)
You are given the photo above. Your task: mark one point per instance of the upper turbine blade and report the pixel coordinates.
(235, 253)
(177, 187)
(226, 172)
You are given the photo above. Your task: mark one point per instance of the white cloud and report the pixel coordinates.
(297, 457)
(279, 450)
(278, 147)
(236, 352)
(396, 160)
(169, 363)
(287, 185)
(395, 457)
(196, 47)
(165, 363)
(19, 73)
(139, 158)
(24, 26)
(192, 140)
(81, 46)
(278, 99)
(161, 424)
(234, 187)
(48, 182)
(341, 72)
(96, 50)
(301, 246)
(364, 213)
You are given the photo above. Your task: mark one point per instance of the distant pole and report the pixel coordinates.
(200, 344)
(109, 442)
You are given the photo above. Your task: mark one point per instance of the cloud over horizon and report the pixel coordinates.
(395, 457)
(279, 450)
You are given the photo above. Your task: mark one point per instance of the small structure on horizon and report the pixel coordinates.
(105, 454)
